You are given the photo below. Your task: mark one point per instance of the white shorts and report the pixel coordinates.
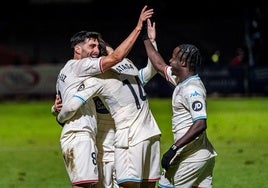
(79, 151)
(107, 175)
(188, 174)
(138, 163)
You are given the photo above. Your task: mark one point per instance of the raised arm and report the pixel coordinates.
(152, 53)
(146, 73)
(124, 48)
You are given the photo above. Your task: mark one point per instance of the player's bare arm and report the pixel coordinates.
(146, 73)
(69, 109)
(151, 30)
(194, 131)
(156, 59)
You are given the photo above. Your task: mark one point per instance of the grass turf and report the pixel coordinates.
(30, 154)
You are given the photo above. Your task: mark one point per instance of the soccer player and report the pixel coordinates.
(137, 135)
(189, 162)
(78, 137)
(106, 127)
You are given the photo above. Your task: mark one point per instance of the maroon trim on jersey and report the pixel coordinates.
(85, 181)
(100, 65)
(166, 73)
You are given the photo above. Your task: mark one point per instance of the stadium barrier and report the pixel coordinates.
(40, 80)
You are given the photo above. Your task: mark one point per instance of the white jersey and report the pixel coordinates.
(106, 125)
(79, 134)
(106, 132)
(73, 72)
(125, 98)
(189, 105)
(68, 81)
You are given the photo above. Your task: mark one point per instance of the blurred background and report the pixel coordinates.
(232, 37)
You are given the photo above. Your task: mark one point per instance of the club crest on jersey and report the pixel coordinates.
(81, 87)
(62, 77)
(197, 106)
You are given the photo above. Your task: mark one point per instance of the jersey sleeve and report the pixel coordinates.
(146, 73)
(89, 88)
(53, 112)
(196, 102)
(69, 109)
(88, 67)
(86, 90)
(169, 77)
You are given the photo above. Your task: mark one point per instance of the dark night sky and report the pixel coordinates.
(43, 29)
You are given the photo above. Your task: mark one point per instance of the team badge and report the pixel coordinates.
(81, 87)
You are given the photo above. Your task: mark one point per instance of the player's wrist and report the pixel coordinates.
(152, 40)
(61, 123)
(138, 28)
(54, 110)
(174, 148)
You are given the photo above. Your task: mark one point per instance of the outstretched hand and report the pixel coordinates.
(148, 31)
(145, 14)
(151, 30)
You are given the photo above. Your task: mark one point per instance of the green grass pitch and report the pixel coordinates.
(30, 154)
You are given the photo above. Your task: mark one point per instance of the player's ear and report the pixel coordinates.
(77, 49)
(183, 63)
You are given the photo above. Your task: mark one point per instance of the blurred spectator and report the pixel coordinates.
(239, 57)
(253, 36)
(215, 58)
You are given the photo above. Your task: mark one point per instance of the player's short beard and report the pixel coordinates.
(95, 55)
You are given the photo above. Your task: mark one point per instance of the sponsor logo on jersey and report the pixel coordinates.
(194, 94)
(197, 106)
(100, 107)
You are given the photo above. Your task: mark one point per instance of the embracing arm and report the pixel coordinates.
(69, 109)
(55, 109)
(86, 91)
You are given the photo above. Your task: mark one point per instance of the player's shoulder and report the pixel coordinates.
(127, 67)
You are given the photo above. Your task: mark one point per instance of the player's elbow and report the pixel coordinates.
(117, 57)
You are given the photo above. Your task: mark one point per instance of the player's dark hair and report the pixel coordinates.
(190, 54)
(81, 36)
(102, 47)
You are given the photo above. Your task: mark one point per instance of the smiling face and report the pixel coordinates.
(174, 62)
(87, 44)
(88, 48)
